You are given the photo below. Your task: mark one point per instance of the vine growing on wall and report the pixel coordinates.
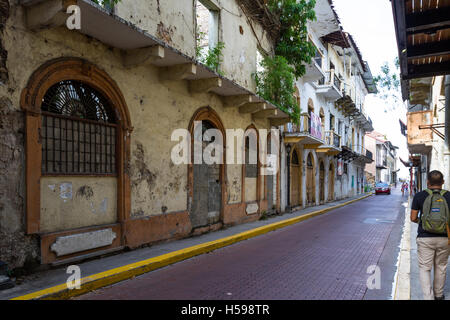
(292, 51)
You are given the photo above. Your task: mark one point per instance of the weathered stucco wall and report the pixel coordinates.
(170, 20)
(16, 249)
(75, 202)
(173, 21)
(156, 108)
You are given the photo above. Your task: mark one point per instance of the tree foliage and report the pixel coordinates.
(276, 84)
(293, 41)
(292, 51)
(388, 84)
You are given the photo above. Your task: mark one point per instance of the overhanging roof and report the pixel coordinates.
(423, 38)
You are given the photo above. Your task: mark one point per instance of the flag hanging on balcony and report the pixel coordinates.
(403, 127)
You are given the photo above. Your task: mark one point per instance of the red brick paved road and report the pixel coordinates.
(325, 257)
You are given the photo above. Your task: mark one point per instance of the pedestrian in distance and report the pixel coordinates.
(403, 189)
(433, 242)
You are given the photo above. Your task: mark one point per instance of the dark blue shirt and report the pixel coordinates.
(417, 204)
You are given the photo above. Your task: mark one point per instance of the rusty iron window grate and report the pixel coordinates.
(78, 132)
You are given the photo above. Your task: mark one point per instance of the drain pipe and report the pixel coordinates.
(447, 111)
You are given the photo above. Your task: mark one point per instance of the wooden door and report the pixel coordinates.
(322, 182)
(331, 183)
(310, 183)
(295, 179)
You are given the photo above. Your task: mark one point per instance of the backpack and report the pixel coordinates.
(435, 214)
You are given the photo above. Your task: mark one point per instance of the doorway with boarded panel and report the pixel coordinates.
(207, 197)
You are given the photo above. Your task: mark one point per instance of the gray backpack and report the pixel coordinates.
(435, 214)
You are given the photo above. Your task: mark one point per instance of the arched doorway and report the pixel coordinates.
(206, 178)
(322, 182)
(250, 181)
(310, 181)
(331, 183)
(295, 179)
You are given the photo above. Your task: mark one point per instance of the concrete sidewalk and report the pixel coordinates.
(105, 271)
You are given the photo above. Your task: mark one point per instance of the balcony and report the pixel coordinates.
(364, 155)
(329, 86)
(314, 70)
(309, 132)
(419, 140)
(332, 144)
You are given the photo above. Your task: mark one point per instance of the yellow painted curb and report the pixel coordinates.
(112, 276)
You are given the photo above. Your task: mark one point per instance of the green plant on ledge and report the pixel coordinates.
(214, 58)
(276, 84)
(292, 51)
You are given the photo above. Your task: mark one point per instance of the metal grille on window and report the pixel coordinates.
(78, 131)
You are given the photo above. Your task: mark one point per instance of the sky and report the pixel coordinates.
(371, 24)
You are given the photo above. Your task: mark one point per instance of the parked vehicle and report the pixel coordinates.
(382, 188)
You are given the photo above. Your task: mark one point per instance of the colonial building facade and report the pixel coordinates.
(325, 154)
(384, 168)
(88, 116)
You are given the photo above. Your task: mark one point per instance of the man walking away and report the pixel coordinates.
(432, 235)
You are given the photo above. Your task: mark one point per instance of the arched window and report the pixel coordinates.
(77, 123)
(78, 130)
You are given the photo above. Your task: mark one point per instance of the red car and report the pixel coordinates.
(382, 188)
